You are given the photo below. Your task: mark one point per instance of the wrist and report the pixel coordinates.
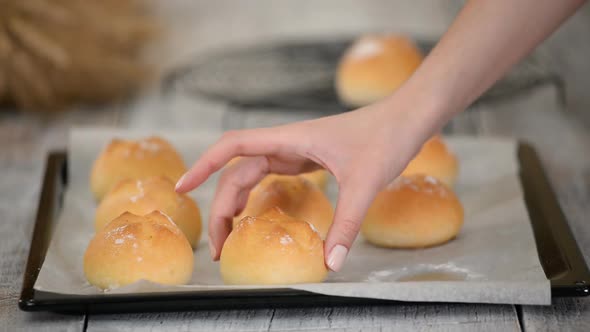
(422, 111)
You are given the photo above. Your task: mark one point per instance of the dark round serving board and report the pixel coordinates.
(300, 75)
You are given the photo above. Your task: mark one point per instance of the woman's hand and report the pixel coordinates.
(368, 148)
(364, 150)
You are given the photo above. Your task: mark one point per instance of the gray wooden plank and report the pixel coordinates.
(18, 201)
(420, 317)
(223, 320)
(563, 315)
(15, 232)
(436, 317)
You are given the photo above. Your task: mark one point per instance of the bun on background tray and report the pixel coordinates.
(131, 248)
(135, 159)
(434, 159)
(143, 196)
(318, 177)
(295, 196)
(374, 66)
(273, 248)
(413, 212)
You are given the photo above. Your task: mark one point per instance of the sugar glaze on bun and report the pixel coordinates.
(143, 196)
(318, 177)
(435, 159)
(413, 212)
(134, 159)
(272, 249)
(295, 196)
(132, 248)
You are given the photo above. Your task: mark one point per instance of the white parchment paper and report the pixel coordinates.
(493, 260)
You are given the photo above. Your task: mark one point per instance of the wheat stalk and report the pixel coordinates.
(55, 53)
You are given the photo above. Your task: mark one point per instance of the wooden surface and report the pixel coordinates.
(560, 134)
(388, 318)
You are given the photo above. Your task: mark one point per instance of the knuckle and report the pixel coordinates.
(232, 181)
(349, 227)
(214, 223)
(229, 178)
(238, 146)
(232, 140)
(210, 166)
(224, 177)
(229, 135)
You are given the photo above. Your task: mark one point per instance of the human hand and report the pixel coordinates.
(367, 148)
(364, 150)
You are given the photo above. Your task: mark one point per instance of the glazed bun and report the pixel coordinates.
(123, 159)
(295, 196)
(272, 249)
(413, 212)
(374, 67)
(141, 197)
(132, 248)
(435, 159)
(319, 177)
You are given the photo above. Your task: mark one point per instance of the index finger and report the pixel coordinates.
(252, 142)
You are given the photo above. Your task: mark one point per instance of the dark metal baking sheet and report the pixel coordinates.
(559, 254)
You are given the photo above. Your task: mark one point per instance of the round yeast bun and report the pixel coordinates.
(273, 248)
(435, 159)
(295, 196)
(152, 194)
(318, 177)
(413, 212)
(374, 67)
(132, 247)
(123, 159)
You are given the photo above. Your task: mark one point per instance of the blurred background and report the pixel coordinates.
(218, 65)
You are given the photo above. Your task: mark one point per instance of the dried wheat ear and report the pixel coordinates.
(56, 53)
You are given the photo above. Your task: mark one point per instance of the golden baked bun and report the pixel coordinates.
(413, 212)
(295, 196)
(374, 67)
(435, 159)
(273, 248)
(152, 194)
(124, 159)
(132, 248)
(318, 177)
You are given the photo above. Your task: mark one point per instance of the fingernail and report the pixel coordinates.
(336, 257)
(212, 250)
(179, 183)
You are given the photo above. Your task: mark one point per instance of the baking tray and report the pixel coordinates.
(558, 251)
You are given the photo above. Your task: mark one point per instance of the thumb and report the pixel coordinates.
(354, 199)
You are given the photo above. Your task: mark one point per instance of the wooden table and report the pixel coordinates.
(560, 135)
